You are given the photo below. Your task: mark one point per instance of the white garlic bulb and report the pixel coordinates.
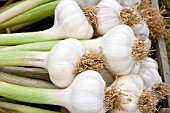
(119, 47)
(149, 73)
(62, 60)
(110, 14)
(131, 86)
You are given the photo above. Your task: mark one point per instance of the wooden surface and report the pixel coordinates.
(165, 110)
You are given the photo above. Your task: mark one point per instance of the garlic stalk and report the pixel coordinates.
(24, 108)
(70, 21)
(84, 95)
(27, 72)
(110, 14)
(33, 15)
(65, 60)
(15, 79)
(20, 8)
(119, 47)
(129, 3)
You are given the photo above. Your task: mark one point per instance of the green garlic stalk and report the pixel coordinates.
(20, 8)
(28, 72)
(33, 15)
(14, 79)
(84, 95)
(24, 108)
(6, 7)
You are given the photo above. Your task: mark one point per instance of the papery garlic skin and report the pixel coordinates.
(70, 18)
(117, 49)
(62, 60)
(107, 76)
(130, 3)
(149, 73)
(86, 93)
(87, 3)
(108, 16)
(132, 86)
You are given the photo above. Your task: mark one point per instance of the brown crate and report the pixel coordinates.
(162, 59)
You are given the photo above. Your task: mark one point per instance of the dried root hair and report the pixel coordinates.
(147, 102)
(90, 14)
(113, 98)
(161, 90)
(90, 62)
(154, 19)
(129, 17)
(140, 51)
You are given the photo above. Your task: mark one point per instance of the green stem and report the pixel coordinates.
(35, 14)
(54, 33)
(17, 27)
(37, 46)
(21, 8)
(35, 73)
(33, 95)
(23, 108)
(93, 45)
(23, 58)
(6, 7)
(14, 79)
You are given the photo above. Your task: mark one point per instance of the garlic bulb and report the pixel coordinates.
(110, 14)
(120, 48)
(129, 3)
(149, 73)
(84, 95)
(130, 86)
(70, 22)
(87, 3)
(62, 60)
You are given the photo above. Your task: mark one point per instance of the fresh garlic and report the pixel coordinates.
(120, 48)
(110, 14)
(65, 60)
(129, 3)
(129, 88)
(84, 95)
(70, 22)
(149, 73)
(87, 3)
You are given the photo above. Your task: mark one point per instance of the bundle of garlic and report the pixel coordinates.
(119, 47)
(70, 22)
